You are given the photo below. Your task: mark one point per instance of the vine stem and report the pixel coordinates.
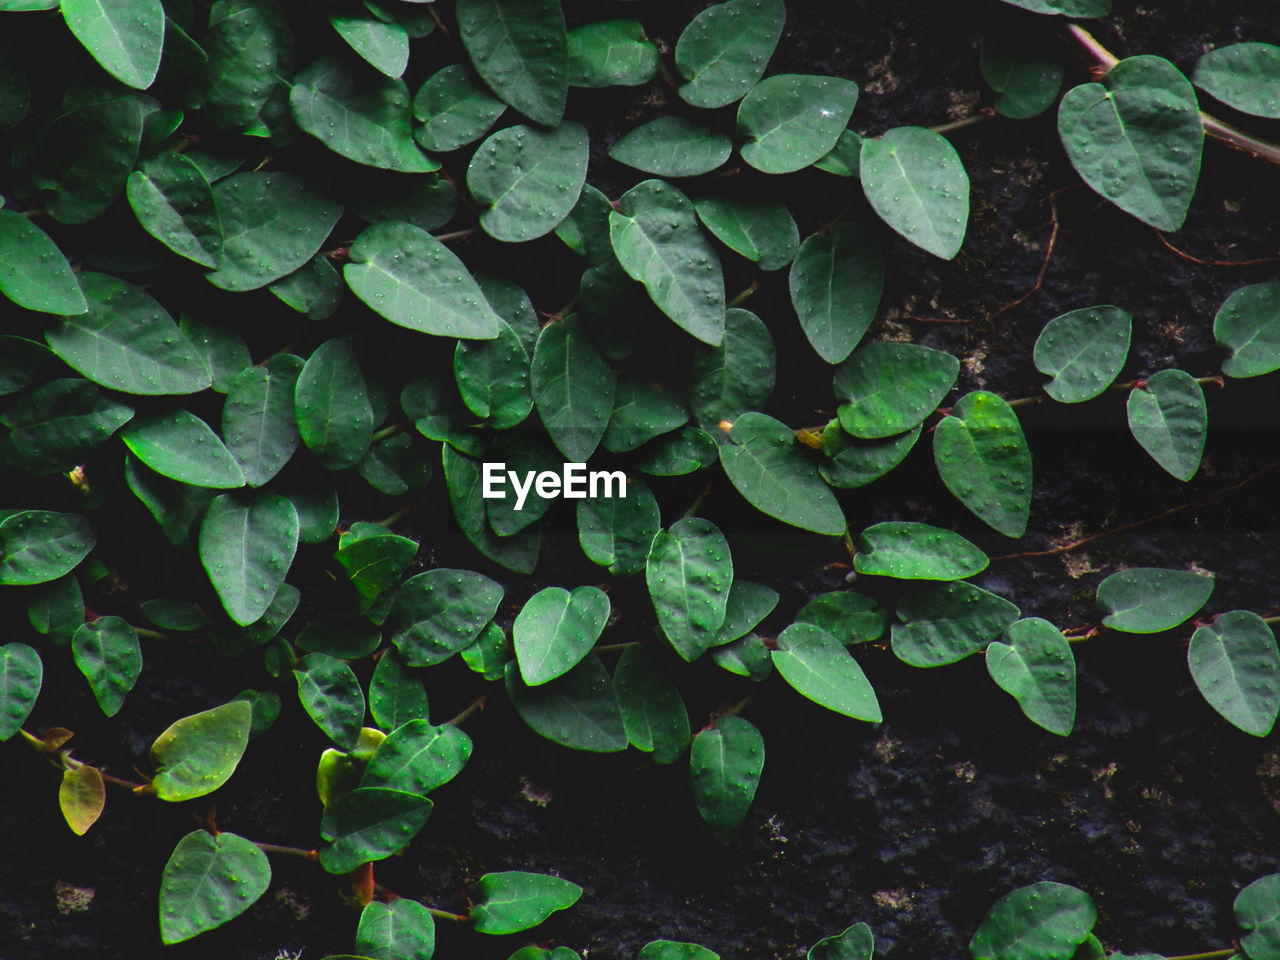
(286, 851)
(446, 915)
(743, 296)
(616, 647)
(1232, 136)
(986, 113)
(1076, 544)
(148, 634)
(1127, 385)
(1164, 241)
(457, 234)
(1275, 619)
(397, 516)
(385, 432)
(1210, 955)
(475, 706)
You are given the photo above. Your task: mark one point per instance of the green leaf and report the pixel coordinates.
(454, 109)
(534, 952)
(518, 552)
(1084, 351)
(437, 613)
(314, 289)
(331, 695)
(374, 564)
(845, 158)
(370, 823)
(573, 388)
(493, 378)
(578, 710)
(615, 532)
(384, 46)
(418, 758)
(983, 458)
(675, 950)
(1236, 666)
(916, 551)
(489, 655)
(526, 181)
(395, 465)
(258, 420)
(946, 622)
(248, 45)
(725, 763)
(176, 507)
(357, 114)
(173, 614)
(1169, 419)
(790, 120)
(85, 155)
(1026, 75)
(764, 463)
(412, 279)
(33, 272)
(1257, 909)
(655, 236)
(1150, 599)
(520, 49)
(520, 452)
(887, 388)
(555, 629)
(611, 53)
(173, 202)
(396, 696)
(749, 603)
(676, 454)
(37, 546)
(438, 415)
(745, 657)
(653, 714)
(264, 709)
(399, 930)
(1248, 324)
(125, 36)
(819, 667)
(197, 754)
(914, 180)
(220, 348)
(317, 514)
(586, 230)
(107, 653)
(724, 50)
(855, 943)
(56, 610)
(1036, 667)
(15, 86)
(1136, 137)
(207, 881)
(643, 408)
(22, 362)
(1244, 76)
(331, 403)
(735, 376)
(21, 675)
(127, 342)
(426, 202)
(856, 463)
(672, 147)
(1067, 8)
(81, 796)
(272, 224)
(1044, 919)
(513, 901)
(846, 616)
(246, 548)
(689, 572)
(763, 231)
(836, 282)
(339, 635)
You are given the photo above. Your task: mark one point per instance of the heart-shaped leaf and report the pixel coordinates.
(125, 36)
(37, 546)
(611, 53)
(1044, 919)
(1083, 351)
(331, 695)
(725, 763)
(819, 667)
(655, 235)
(520, 49)
(573, 388)
(578, 710)
(383, 45)
(555, 629)
(33, 272)
(724, 50)
(672, 147)
(916, 551)
(888, 388)
(1149, 599)
(259, 423)
(1169, 418)
(527, 181)
(1136, 137)
(454, 109)
(653, 713)
(855, 463)
(81, 797)
(1257, 909)
(437, 613)
(615, 532)
(1236, 666)
(1026, 75)
(791, 120)
(418, 757)
(946, 622)
(21, 674)
(689, 572)
(207, 881)
(370, 823)
(197, 754)
(331, 403)
(246, 547)
(1244, 76)
(736, 376)
(855, 943)
(983, 458)
(107, 653)
(399, 930)
(1034, 664)
(836, 281)
(1248, 324)
(914, 180)
(172, 199)
(513, 901)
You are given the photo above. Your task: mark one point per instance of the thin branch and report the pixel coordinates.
(457, 234)
(1211, 955)
(1048, 252)
(446, 915)
(986, 113)
(615, 647)
(475, 706)
(1076, 544)
(286, 851)
(744, 295)
(1212, 263)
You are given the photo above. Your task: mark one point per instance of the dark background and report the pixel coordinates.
(1155, 805)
